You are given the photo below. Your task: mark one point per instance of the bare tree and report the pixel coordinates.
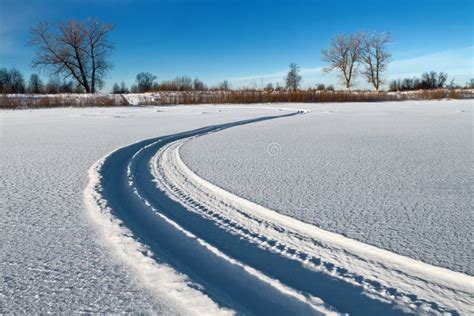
(469, 84)
(375, 56)
(35, 85)
(184, 83)
(429, 80)
(343, 55)
(198, 85)
(123, 88)
(11, 81)
(433, 80)
(116, 89)
(224, 86)
(53, 85)
(293, 79)
(75, 49)
(145, 81)
(320, 87)
(268, 87)
(119, 89)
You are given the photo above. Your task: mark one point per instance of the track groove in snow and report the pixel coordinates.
(247, 258)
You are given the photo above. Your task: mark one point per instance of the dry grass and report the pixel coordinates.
(11, 101)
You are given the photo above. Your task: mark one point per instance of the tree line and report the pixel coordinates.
(75, 55)
(13, 81)
(428, 80)
(146, 82)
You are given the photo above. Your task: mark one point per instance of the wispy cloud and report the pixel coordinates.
(310, 76)
(458, 63)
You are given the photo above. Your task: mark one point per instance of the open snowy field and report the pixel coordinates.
(345, 208)
(51, 257)
(394, 175)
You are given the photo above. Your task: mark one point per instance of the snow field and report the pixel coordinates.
(52, 258)
(394, 175)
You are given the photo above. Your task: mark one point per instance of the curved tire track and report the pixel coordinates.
(241, 260)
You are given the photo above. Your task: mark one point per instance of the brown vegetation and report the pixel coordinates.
(14, 101)
(10, 101)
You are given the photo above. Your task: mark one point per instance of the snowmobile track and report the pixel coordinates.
(250, 259)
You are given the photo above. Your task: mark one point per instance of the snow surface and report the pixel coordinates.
(272, 244)
(52, 258)
(139, 231)
(395, 175)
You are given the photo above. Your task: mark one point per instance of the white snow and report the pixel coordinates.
(395, 175)
(159, 227)
(121, 193)
(52, 259)
(388, 276)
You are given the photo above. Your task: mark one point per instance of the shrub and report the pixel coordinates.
(268, 87)
(145, 81)
(429, 80)
(11, 81)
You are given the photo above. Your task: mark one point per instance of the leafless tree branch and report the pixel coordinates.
(343, 55)
(375, 56)
(74, 49)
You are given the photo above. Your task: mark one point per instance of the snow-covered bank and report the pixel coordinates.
(395, 175)
(52, 258)
(11, 101)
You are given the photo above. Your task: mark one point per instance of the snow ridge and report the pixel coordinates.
(210, 251)
(166, 258)
(161, 279)
(411, 285)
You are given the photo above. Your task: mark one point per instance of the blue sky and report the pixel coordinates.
(252, 42)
